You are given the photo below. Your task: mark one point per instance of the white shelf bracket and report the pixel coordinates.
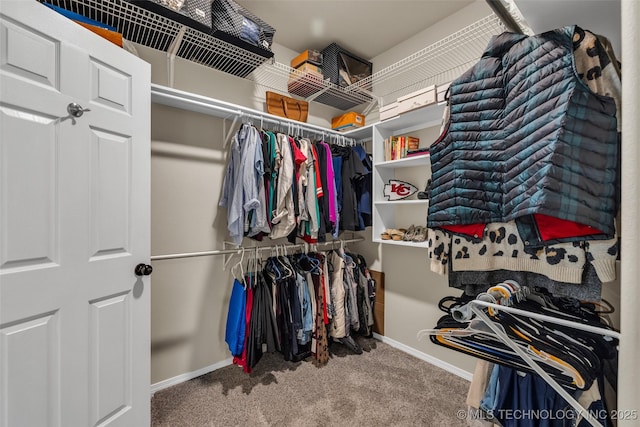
(227, 135)
(226, 258)
(375, 101)
(171, 55)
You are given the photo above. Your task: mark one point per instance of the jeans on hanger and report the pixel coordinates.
(490, 399)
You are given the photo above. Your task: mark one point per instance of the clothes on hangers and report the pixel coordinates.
(288, 187)
(502, 248)
(352, 171)
(232, 192)
(364, 185)
(293, 304)
(573, 358)
(557, 157)
(517, 399)
(533, 244)
(568, 248)
(475, 282)
(236, 318)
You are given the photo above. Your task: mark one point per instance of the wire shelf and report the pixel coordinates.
(438, 63)
(156, 31)
(310, 87)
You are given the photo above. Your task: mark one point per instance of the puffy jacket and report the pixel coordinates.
(526, 136)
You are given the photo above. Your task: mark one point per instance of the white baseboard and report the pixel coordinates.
(426, 357)
(188, 376)
(393, 343)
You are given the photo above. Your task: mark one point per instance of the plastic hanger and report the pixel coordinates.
(239, 265)
(473, 327)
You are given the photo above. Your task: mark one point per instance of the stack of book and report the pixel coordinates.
(399, 147)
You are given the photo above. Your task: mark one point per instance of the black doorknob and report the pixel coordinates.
(143, 270)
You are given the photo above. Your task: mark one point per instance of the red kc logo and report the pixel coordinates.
(396, 190)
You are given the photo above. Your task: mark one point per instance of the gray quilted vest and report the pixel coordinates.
(526, 136)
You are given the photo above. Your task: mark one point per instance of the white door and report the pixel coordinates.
(74, 223)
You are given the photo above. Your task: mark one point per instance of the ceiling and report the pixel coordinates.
(599, 16)
(364, 27)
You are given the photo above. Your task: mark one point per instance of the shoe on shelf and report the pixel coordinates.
(392, 234)
(421, 234)
(409, 235)
(424, 194)
(398, 234)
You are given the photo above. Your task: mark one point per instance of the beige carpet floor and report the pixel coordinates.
(381, 387)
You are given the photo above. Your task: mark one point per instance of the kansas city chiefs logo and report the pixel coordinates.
(398, 190)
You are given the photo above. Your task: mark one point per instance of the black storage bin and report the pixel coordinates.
(231, 18)
(192, 13)
(343, 68)
(144, 27)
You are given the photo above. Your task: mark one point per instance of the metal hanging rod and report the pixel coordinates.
(201, 104)
(505, 16)
(254, 248)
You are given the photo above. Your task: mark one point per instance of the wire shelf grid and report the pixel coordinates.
(438, 63)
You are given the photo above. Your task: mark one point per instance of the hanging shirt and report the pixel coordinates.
(312, 225)
(339, 321)
(284, 220)
(331, 185)
(236, 319)
(272, 150)
(364, 187)
(252, 170)
(352, 170)
(232, 197)
(325, 221)
(302, 182)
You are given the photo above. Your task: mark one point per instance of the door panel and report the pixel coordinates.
(29, 173)
(112, 87)
(110, 194)
(39, 337)
(110, 373)
(42, 65)
(74, 319)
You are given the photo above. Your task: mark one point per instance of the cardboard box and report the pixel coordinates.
(307, 67)
(389, 111)
(418, 99)
(347, 121)
(442, 92)
(311, 56)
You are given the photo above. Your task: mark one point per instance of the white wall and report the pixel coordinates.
(189, 295)
(442, 29)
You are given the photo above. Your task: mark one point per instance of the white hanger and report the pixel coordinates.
(239, 264)
(228, 260)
